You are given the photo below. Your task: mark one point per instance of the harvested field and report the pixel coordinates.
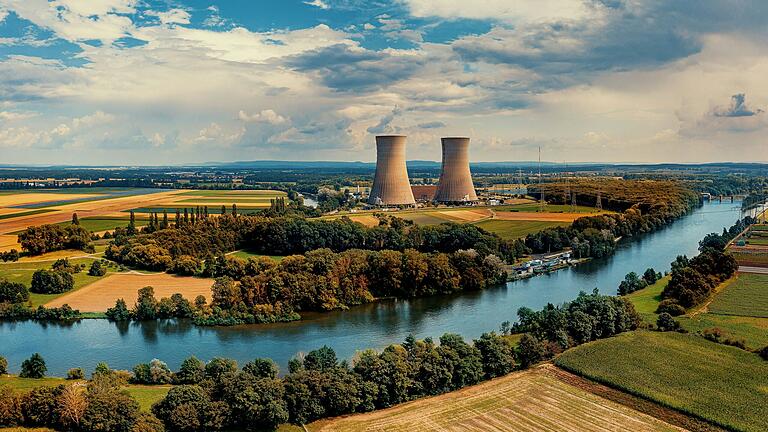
(532, 400)
(535, 216)
(37, 198)
(464, 215)
(722, 384)
(746, 295)
(8, 242)
(101, 295)
(367, 220)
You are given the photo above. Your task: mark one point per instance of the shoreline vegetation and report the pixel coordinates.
(219, 395)
(337, 264)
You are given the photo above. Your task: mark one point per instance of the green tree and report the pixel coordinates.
(33, 367)
(192, 371)
(13, 292)
(3, 366)
(119, 312)
(97, 268)
(75, 374)
(110, 411)
(665, 322)
(146, 305)
(531, 350)
(497, 353)
(224, 293)
(75, 220)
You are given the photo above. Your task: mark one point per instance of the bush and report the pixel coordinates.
(11, 255)
(51, 282)
(13, 292)
(764, 352)
(33, 367)
(154, 372)
(11, 402)
(671, 307)
(3, 365)
(665, 322)
(97, 269)
(75, 374)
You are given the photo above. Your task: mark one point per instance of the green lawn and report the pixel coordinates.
(245, 254)
(22, 272)
(647, 300)
(725, 385)
(426, 218)
(24, 384)
(745, 296)
(148, 395)
(511, 229)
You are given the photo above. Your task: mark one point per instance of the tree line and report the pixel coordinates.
(219, 395)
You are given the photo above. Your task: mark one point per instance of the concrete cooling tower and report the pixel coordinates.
(390, 184)
(455, 179)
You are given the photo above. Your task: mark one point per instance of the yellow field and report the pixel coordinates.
(102, 294)
(466, 215)
(37, 198)
(532, 400)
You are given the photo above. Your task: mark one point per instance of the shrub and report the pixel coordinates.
(671, 307)
(33, 367)
(75, 374)
(154, 372)
(764, 352)
(665, 322)
(13, 292)
(51, 282)
(11, 402)
(11, 255)
(97, 269)
(3, 365)
(147, 422)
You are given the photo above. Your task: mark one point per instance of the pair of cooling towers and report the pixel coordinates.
(391, 185)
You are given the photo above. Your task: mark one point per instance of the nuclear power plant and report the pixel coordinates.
(455, 178)
(390, 184)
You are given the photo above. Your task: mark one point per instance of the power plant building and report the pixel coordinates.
(391, 185)
(455, 178)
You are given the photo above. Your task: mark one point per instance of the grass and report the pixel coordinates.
(148, 395)
(245, 254)
(229, 199)
(747, 295)
(721, 384)
(754, 331)
(647, 299)
(510, 229)
(22, 272)
(534, 399)
(25, 384)
(25, 213)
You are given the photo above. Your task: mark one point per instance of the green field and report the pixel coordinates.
(245, 254)
(757, 241)
(25, 213)
(511, 229)
(725, 385)
(228, 199)
(148, 395)
(211, 209)
(22, 272)
(424, 218)
(647, 299)
(234, 193)
(746, 296)
(751, 259)
(753, 331)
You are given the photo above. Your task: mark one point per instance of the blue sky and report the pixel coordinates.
(155, 82)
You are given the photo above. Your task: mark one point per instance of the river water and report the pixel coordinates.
(85, 343)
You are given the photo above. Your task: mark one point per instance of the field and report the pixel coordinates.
(747, 295)
(725, 385)
(22, 272)
(507, 229)
(102, 224)
(102, 294)
(647, 300)
(532, 400)
(752, 258)
(245, 254)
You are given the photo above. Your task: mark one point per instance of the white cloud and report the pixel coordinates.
(504, 10)
(14, 116)
(265, 116)
(172, 16)
(318, 3)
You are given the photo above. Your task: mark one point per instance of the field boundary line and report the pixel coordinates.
(704, 308)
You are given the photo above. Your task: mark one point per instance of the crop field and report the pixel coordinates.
(747, 295)
(531, 400)
(508, 229)
(753, 331)
(722, 384)
(536, 216)
(751, 258)
(102, 294)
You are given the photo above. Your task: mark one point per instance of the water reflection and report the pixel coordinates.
(123, 345)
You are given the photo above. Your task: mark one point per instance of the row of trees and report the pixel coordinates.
(632, 282)
(262, 290)
(694, 279)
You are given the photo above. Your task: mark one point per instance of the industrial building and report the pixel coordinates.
(391, 185)
(455, 184)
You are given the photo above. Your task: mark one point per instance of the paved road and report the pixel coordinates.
(760, 270)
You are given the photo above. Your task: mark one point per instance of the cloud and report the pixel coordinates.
(737, 108)
(501, 10)
(172, 16)
(431, 125)
(318, 3)
(265, 116)
(385, 124)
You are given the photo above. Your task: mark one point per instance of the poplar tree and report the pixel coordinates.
(75, 220)
(165, 219)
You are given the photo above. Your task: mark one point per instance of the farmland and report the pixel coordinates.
(725, 385)
(747, 295)
(102, 294)
(508, 229)
(532, 400)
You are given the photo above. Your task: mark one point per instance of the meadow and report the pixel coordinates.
(718, 383)
(531, 400)
(647, 299)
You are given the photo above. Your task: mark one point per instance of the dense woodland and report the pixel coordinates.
(219, 395)
(645, 206)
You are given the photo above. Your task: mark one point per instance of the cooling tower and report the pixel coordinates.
(455, 179)
(390, 184)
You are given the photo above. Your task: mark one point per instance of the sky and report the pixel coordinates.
(150, 82)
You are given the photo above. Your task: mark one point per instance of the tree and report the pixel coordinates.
(224, 293)
(147, 422)
(132, 224)
(51, 282)
(109, 410)
(40, 239)
(261, 368)
(218, 367)
(3, 366)
(192, 371)
(40, 406)
(119, 312)
(497, 354)
(13, 292)
(651, 276)
(75, 374)
(531, 350)
(146, 305)
(97, 269)
(70, 407)
(184, 408)
(33, 367)
(154, 372)
(322, 359)
(75, 220)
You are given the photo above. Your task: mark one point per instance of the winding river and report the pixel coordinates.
(85, 343)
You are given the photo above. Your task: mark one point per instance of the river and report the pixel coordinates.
(85, 343)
